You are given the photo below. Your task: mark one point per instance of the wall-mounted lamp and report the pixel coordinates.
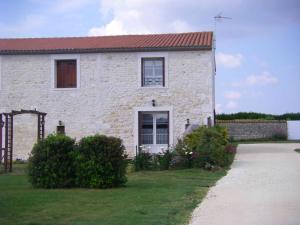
(153, 102)
(60, 129)
(187, 123)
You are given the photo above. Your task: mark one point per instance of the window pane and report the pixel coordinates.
(158, 63)
(146, 129)
(153, 72)
(162, 128)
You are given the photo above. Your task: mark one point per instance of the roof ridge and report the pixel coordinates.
(104, 36)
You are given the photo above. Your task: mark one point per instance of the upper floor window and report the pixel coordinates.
(153, 73)
(66, 73)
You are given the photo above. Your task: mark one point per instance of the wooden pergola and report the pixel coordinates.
(7, 131)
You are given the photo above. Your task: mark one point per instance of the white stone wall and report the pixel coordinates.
(108, 94)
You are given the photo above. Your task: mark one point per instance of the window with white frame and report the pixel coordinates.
(65, 71)
(153, 71)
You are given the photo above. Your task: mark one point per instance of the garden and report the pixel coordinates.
(93, 182)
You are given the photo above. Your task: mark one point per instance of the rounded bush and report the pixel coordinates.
(50, 164)
(206, 146)
(100, 162)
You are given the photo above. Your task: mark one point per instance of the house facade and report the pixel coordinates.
(144, 89)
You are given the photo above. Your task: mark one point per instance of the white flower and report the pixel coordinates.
(191, 153)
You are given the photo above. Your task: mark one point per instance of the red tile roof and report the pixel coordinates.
(121, 43)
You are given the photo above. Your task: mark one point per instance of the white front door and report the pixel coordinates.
(154, 131)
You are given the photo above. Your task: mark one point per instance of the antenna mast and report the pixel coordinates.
(218, 18)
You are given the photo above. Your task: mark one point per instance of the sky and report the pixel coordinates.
(257, 50)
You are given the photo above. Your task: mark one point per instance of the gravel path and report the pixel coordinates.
(262, 188)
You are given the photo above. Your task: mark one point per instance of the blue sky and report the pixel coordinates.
(258, 63)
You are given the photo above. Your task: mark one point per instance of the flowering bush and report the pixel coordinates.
(206, 146)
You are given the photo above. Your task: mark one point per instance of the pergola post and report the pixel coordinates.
(8, 125)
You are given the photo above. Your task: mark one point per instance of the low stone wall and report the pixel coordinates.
(254, 129)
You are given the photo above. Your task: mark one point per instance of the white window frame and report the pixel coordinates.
(154, 123)
(54, 58)
(153, 109)
(153, 55)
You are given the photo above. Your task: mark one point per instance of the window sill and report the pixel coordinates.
(153, 87)
(65, 89)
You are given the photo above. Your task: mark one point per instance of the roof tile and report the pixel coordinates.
(178, 41)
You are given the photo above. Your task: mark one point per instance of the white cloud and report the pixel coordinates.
(112, 28)
(140, 17)
(181, 26)
(265, 78)
(231, 105)
(232, 95)
(229, 60)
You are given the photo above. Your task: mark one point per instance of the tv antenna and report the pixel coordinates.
(220, 18)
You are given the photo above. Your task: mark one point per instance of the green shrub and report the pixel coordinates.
(183, 157)
(151, 161)
(204, 147)
(100, 162)
(210, 147)
(143, 160)
(50, 164)
(230, 150)
(164, 159)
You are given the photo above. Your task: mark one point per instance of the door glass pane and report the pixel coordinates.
(147, 129)
(162, 128)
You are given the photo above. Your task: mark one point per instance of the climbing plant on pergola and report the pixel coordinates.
(7, 132)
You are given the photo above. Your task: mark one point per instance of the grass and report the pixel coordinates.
(297, 150)
(150, 198)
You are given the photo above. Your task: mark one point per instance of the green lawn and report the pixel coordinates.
(150, 198)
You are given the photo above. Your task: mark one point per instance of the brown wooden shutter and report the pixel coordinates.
(66, 74)
(71, 78)
(59, 76)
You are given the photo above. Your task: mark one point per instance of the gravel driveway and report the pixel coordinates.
(262, 188)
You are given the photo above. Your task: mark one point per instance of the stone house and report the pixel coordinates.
(144, 89)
